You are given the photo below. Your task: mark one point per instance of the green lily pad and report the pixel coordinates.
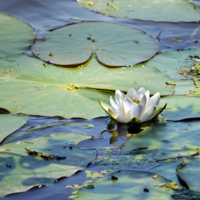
(127, 184)
(172, 11)
(174, 63)
(16, 36)
(21, 170)
(69, 92)
(180, 107)
(188, 171)
(167, 170)
(115, 45)
(10, 123)
(167, 140)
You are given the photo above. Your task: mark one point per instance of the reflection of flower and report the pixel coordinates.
(135, 107)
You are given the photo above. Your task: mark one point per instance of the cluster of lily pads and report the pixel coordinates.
(69, 71)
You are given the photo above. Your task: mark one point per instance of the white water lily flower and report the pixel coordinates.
(135, 107)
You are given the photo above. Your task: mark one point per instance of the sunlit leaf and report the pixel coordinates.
(114, 45)
(69, 92)
(10, 123)
(173, 11)
(174, 64)
(16, 36)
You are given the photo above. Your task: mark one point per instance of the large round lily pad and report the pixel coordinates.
(127, 184)
(168, 10)
(174, 64)
(180, 107)
(167, 140)
(31, 88)
(10, 123)
(16, 36)
(115, 45)
(20, 170)
(188, 171)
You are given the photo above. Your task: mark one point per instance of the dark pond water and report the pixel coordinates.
(46, 15)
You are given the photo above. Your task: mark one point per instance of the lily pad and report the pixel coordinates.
(167, 170)
(16, 36)
(180, 107)
(10, 123)
(188, 171)
(172, 11)
(127, 184)
(173, 63)
(115, 45)
(21, 170)
(167, 140)
(69, 92)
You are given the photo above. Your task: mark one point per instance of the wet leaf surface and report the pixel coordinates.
(34, 93)
(182, 136)
(181, 107)
(173, 63)
(10, 123)
(127, 184)
(114, 45)
(167, 170)
(16, 36)
(173, 11)
(188, 171)
(22, 170)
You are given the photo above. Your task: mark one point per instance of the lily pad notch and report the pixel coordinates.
(115, 45)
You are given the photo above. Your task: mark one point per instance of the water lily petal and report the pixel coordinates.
(119, 96)
(140, 97)
(120, 117)
(153, 101)
(113, 104)
(136, 111)
(132, 94)
(128, 105)
(147, 115)
(147, 94)
(141, 91)
(144, 102)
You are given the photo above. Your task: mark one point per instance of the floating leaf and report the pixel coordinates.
(173, 63)
(167, 170)
(127, 184)
(114, 45)
(16, 36)
(182, 137)
(22, 170)
(10, 123)
(173, 11)
(180, 107)
(69, 92)
(188, 171)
